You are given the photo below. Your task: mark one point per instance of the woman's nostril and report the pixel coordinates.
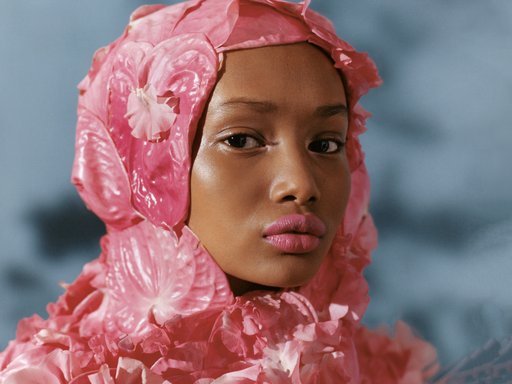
(298, 199)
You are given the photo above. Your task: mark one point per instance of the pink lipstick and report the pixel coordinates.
(295, 233)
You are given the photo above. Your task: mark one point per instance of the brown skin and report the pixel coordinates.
(271, 145)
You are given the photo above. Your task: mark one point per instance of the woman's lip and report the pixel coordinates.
(295, 233)
(294, 242)
(308, 223)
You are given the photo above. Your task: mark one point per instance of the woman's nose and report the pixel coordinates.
(295, 178)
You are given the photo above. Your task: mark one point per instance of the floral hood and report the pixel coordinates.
(155, 307)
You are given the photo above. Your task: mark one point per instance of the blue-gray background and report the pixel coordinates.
(439, 150)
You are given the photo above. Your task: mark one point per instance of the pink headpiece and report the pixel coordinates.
(141, 101)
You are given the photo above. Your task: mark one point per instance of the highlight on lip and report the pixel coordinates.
(295, 233)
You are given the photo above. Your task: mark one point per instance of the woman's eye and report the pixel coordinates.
(326, 146)
(242, 141)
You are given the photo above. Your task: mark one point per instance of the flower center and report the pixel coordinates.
(143, 97)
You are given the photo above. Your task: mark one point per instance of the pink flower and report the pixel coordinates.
(157, 90)
(150, 115)
(152, 277)
(148, 81)
(151, 86)
(99, 175)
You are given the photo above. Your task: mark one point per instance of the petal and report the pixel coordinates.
(243, 376)
(32, 375)
(215, 19)
(256, 27)
(186, 66)
(149, 118)
(99, 176)
(151, 274)
(40, 365)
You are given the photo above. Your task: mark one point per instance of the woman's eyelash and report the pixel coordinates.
(248, 141)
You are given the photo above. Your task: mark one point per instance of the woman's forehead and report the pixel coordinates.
(279, 74)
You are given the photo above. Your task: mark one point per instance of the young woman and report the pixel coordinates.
(218, 141)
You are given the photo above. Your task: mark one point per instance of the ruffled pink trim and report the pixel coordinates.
(402, 359)
(257, 338)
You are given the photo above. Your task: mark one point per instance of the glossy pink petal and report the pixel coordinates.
(99, 175)
(14, 349)
(256, 27)
(181, 68)
(153, 276)
(155, 23)
(127, 75)
(94, 93)
(40, 365)
(214, 18)
(32, 375)
(281, 363)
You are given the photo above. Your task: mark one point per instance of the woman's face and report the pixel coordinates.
(270, 178)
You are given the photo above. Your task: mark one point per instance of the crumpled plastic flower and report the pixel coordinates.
(138, 110)
(153, 277)
(150, 115)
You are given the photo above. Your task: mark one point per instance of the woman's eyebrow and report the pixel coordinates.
(256, 105)
(331, 110)
(263, 106)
